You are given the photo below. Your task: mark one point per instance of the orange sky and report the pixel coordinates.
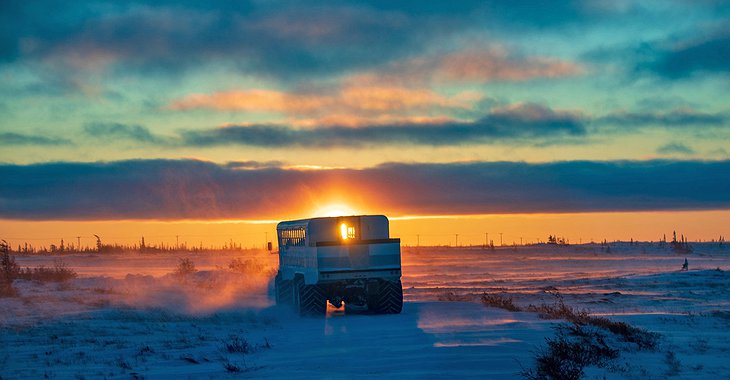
(583, 227)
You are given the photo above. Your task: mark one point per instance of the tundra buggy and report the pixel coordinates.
(345, 259)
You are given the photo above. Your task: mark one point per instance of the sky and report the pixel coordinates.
(227, 116)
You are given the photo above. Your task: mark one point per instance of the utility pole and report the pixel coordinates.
(78, 243)
(457, 239)
(486, 239)
(500, 239)
(177, 241)
(418, 240)
(520, 240)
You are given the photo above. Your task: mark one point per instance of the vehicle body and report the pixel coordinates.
(349, 259)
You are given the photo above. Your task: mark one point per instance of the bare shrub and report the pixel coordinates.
(500, 301)
(185, 267)
(8, 272)
(236, 344)
(58, 273)
(674, 366)
(231, 367)
(574, 348)
(123, 364)
(249, 266)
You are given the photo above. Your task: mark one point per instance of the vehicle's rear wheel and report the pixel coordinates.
(309, 299)
(282, 290)
(388, 299)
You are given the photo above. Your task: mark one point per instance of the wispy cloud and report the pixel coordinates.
(115, 131)
(164, 189)
(362, 103)
(675, 148)
(10, 138)
(674, 118)
(519, 122)
(472, 65)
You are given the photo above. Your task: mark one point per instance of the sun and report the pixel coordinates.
(336, 209)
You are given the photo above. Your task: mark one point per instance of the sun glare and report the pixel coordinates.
(335, 210)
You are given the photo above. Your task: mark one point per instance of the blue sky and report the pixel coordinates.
(130, 89)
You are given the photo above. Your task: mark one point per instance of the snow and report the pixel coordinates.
(127, 315)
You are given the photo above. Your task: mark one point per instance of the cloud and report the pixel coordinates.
(473, 65)
(349, 100)
(114, 131)
(248, 165)
(397, 93)
(10, 138)
(517, 122)
(178, 189)
(674, 118)
(523, 123)
(708, 54)
(283, 39)
(675, 148)
(484, 66)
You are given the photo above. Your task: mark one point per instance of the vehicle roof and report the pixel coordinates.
(305, 222)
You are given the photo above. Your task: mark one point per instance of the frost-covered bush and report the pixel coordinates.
(185, 267)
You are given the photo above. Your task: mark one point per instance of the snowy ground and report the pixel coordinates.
(127, 316)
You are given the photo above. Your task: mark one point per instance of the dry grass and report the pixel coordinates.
(580, 343)
(644, 340)
(566, 355)
(500, 301)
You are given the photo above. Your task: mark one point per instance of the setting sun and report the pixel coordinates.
(336, 209)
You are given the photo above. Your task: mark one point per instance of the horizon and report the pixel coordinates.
(583, 119)
(473, 230)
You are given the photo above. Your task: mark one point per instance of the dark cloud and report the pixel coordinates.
(675, 148)
(526, 122)
(247, 165)
(165, 189)
(116, 131)
(677, 118)
(10, 138)
(704, 55)
(285, 39)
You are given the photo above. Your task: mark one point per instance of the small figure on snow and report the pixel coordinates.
(685, 266)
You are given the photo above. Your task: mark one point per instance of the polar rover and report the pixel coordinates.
(345, 259)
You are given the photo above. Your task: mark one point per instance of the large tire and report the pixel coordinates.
(310, 300)
(388, 299)
(282, 290)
